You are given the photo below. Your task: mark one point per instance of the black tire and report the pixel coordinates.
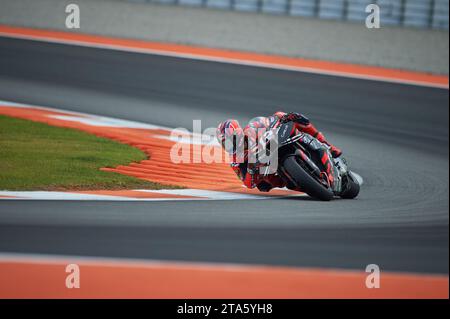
(305, 181)
(352, 188)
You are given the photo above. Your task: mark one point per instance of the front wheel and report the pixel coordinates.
(305, 181)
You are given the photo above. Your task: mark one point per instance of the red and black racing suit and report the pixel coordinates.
(249, 174)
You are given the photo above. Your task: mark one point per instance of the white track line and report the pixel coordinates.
(214, 195)
(45, 259)
(196, 194)
(40, 195)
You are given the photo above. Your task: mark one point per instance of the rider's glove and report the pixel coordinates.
(295, 117)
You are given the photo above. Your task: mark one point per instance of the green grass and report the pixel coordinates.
(36, 156)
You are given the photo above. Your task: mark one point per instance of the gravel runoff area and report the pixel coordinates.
(404, 48)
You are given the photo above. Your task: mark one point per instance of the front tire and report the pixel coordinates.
(305, 181)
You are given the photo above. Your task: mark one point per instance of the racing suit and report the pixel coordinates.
(248, 173)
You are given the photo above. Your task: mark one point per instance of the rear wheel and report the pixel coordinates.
(351, 188)
(305, 181)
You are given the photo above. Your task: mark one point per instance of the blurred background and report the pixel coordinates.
(413, 33)
(412, 13)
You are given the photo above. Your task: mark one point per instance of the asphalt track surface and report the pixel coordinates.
(394, 135)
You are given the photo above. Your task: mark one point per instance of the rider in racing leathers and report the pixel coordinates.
(248, 172)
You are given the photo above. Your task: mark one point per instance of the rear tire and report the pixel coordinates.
(305, 181)
(352, 188)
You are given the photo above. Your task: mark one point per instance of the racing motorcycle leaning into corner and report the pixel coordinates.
(304, 163)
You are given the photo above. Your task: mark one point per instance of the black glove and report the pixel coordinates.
(295, 117)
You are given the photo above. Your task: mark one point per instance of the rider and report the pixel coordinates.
(248, 172)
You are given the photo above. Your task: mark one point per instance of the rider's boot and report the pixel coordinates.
(269, 182)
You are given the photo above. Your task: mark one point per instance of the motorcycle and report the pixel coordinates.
(306, 164)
